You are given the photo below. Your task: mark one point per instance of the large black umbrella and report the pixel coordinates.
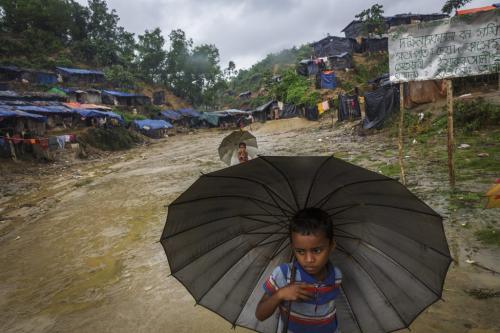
(227, 232)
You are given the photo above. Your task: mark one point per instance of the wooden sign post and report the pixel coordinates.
(451, 143)
(401, 125)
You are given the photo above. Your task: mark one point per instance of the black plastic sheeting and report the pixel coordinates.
(379, 105)
(312, 113)
(349, 107)
(289, 111)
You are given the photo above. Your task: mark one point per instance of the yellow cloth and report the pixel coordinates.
(320, 108)
(493, 197)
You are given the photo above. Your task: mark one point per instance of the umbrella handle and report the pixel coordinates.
(289, 305)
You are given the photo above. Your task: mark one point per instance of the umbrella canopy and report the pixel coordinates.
(228, 149)
(229, 230)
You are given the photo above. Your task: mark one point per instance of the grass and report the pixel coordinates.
(113, 139)
(489, 236)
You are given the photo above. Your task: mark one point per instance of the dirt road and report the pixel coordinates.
(79, 244)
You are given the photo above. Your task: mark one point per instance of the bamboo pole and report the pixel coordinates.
(451, 144)
(12, 149)
(401, 125)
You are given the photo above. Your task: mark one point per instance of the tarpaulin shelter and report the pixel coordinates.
(57, 91)
(379, 105)
(80, 75)
(171, 115)
(30, 96)
(57, 115)
(245, 94)
(10, 73)
(159, 97)
(332, 45)
(312, 113)
(375, 44)
(289, 111)
(212, 119)
(15, 121)
(190, 113)
(341, 61)
(112, 97)
(89, 113)
(152, 128)
(349, 108)
(263, 112)
(75, 105)
(328, 80)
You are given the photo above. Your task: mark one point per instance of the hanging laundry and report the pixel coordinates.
(280, 105)
(326, 105)
(320, 108)
(72, 138)
(67, 138)
(61, 140)
(32, 141)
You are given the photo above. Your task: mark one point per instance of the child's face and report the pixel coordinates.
(242, 147)
(312, 251)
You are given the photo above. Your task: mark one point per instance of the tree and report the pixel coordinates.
(151, 55)
(451, 5)
(373, 21)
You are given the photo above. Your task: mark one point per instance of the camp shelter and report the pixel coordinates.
(152, 128)
(332, 45)
(170, 115)
(264, 112)
(11, 73)
(211, 119)
(354, 29)
(372, 45)
(379, 105)
(349, 108)
(112, 97)
(30, 96)
(409, 18)
(341, 61)
(289, 111)
(328, 80)
(190, 117)
(57, 91)
(159, 97)
(15, 122)
(77, 75)
(57, 115)
(245, 95)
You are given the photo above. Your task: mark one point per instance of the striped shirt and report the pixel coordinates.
(317, 315)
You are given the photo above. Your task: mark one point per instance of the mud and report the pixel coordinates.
(79, 246)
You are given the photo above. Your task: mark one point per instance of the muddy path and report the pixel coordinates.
(79, 246)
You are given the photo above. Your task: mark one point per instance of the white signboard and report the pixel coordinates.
(460, 46)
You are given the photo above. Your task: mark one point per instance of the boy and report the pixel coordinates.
(242, 152)
(317, 281)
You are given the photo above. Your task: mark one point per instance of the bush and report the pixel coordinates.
(117, 138)
(475, 115)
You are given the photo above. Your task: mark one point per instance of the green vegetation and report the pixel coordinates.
(373, 20)
(117, 138)
(476, 114)
(44, 34)
(451, 5)
(489, 236)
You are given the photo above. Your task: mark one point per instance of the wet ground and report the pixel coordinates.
(79, 246)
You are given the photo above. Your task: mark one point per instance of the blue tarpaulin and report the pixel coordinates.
(120, 93)
(211, 117)
(171, 114)
(9, 113)
(150, 124)
(328, 80)
(79, 71)
(189, 113)
(89, 113)
(46, 78)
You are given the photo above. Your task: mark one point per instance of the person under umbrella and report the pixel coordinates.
(228, 233)
(239, 146)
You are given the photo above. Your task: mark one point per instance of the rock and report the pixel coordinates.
(464, 146)
(483, 155)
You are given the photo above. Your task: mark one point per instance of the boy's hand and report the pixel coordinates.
(295, 292)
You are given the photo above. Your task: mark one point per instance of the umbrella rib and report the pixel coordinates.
(314, 179)
(382, 205)
(250, 293)
(329, 195)
(267, 188)
(222, 276)
(397, 263)
(381, 226)
(380, 289)
(210, 250)
(350, 308)
(220, 219)
(223, 196)
(283, 249)
(286, 179)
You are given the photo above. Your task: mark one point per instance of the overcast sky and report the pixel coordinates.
(245, 31)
